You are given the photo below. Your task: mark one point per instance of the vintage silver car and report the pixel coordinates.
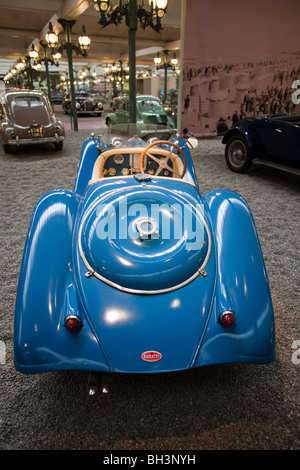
(26, 117)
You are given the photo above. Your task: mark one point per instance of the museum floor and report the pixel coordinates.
(218, 407)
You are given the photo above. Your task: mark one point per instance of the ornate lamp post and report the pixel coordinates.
(13, 72)
(53, 59)
(84, 41)
(51, 41)
(64, 81)
(20, 66)
(118, 74)
(33, 55)
(165, 64)
(51, 37)
(80, 48)
(133, 14)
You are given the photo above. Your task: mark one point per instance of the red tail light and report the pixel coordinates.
(227, 318)
(72, 322)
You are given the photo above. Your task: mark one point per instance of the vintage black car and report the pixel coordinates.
(57, 97)
(26, 117)
(270, 140)
(87, 102)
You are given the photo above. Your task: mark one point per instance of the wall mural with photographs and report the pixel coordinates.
(240, 59)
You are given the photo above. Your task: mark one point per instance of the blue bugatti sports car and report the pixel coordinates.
(134, 271)
(271, 140)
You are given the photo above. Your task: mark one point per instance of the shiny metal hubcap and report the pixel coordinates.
(237, 153)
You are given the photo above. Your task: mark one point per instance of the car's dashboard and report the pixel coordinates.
(128, 164)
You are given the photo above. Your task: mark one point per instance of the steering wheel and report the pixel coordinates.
(167, 154)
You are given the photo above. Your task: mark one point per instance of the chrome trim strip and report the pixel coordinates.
(99, 180)
(91, 272)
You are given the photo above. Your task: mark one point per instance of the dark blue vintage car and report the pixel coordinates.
(271, 140)
(134, 271)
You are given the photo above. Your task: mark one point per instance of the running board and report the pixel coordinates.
(278, 166)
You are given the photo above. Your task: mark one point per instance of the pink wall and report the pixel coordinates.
(241, 58)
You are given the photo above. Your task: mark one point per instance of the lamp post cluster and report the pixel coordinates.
(110, 14)
(135, 15)
(83, 81)
(33, 59)
(14, 75)
(24, 71)
(80, 48)
(118, 75)
(165, 64)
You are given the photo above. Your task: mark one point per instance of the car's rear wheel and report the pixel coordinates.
(237, 154)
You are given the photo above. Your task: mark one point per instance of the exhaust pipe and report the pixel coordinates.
(98, 382)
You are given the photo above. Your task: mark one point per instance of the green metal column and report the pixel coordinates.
(166, 74)
(29, 72)
(21, 80)
(132, 27)
(67, 25)
(44, 46)
(121, 74)
(48, 80)
(166, 82)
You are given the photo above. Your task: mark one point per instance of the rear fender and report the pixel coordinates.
(242, 287)
(88, 156)
(248, 131)
(190, 175)
(47, 292)
(232, 132)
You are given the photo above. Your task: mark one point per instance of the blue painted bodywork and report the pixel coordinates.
(145, 305)
(274, 140)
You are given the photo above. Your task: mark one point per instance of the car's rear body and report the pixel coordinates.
(27, 118)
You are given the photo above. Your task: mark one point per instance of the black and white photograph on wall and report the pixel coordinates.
(240, 59)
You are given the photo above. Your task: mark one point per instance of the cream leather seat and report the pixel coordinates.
(98, 170)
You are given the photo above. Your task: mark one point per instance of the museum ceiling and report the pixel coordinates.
(23, 23)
